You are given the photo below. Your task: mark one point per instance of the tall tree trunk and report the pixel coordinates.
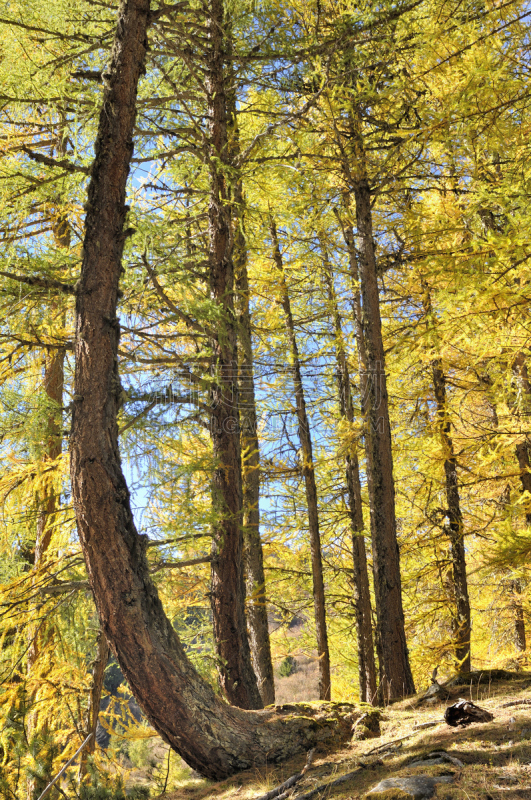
(253, 558)
(461, 622)
(308, 472)
(256, 605)
(362, 594)
(396, 679)
(214, 738)
(237, 678)
(364, 377)
(53, 385)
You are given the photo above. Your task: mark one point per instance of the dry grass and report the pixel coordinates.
(301, 685)
(496, 755)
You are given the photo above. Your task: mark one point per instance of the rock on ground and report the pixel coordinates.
(418, 787)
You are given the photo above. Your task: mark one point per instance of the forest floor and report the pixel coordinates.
(495, 756)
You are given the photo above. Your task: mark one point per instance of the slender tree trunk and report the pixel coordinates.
(237, 678)
(98, 674)
(253, 559)
(461, 622)
(256, 606)
(516, 585)
(308, 472)
(522, 404)
(53, 386)
(396, 679)
(214, 738)
(523, 452)
(362, 594)
(364, 377)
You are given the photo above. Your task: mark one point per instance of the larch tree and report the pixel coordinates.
(214, 738)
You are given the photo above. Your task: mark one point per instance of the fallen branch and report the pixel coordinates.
(324, 787)
(422, 725)
(389, 744)
(281, 791)
(517, 703)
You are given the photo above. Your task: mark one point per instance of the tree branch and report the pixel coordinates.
(64, 163)
(42, 283)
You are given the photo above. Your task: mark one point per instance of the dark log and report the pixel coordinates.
(464, 712)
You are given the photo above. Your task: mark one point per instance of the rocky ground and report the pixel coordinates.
(416, 755)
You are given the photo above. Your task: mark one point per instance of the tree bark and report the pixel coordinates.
(461, 623)
(212, 737)
(308, 472)
(396, 679)
(521, 405)
(516, 587)
(362, 593)
(256, 605)
(237, 678)
(253, 558)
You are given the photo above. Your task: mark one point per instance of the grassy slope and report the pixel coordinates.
(496, 755)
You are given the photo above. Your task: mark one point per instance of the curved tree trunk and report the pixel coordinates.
(214, 738)
(308, 471)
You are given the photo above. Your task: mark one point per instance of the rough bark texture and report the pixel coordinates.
(362, 594)
(396, 679)
(308, 472)
(256, 605)
(214, 738)
(237, 677)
